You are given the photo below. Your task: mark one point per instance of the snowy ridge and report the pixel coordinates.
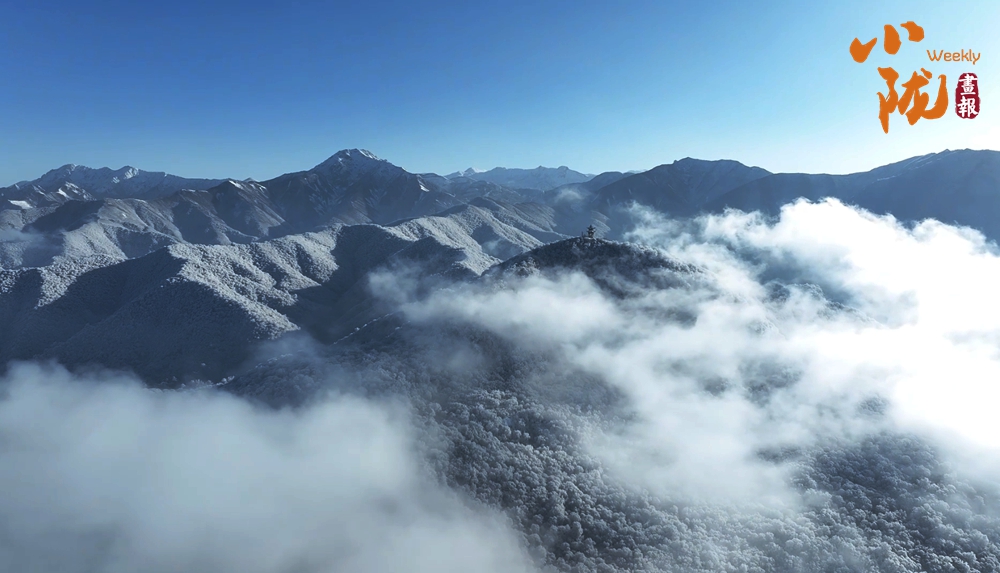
(104, 182)
(539, 178)
(268, 288)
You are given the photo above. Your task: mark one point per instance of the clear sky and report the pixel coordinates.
(257, 88)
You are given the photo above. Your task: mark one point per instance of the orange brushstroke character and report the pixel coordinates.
(891, 43)
(911, 95)
(920, 99)
(916, 33)
(911, 92)
(860, 51)
(886, 104)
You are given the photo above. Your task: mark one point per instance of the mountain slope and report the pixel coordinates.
(119, 229)
(196, 311)
(117, 266)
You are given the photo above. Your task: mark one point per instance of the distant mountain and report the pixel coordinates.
(77, 182)
(55, 219)
(465, 189)
(956, 187)
(601, 180)
(539, 178)
(76, 212)
(680, 188)
(577, 196)
(960, 187)
(467, 173)
(582, 190)
(351, 187)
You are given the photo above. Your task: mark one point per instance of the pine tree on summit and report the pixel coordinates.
(590, 232)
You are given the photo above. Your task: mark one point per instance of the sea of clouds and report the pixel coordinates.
(825, 329)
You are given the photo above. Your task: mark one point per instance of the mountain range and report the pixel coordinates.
(521, 347)
(537, 179)
(96, 254)
(127, 212)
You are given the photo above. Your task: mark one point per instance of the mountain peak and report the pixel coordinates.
(614, 266)
(470, 172)
(697, 161)
(127, 181)
(353, 155)
(65, 170)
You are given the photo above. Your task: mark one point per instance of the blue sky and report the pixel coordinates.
(255, 89)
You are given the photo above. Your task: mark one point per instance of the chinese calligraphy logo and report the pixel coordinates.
(913, 102)
(967, 96)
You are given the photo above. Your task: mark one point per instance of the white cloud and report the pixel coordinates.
(785, 372)
(105, 475)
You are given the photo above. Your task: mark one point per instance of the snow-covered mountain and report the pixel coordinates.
(514, 414)
(189, 311)
(539, 178)
(351, 187)
(354, 186)
(961, 186)
(118, 266)
(612, 407)
(679, 188)
(466, 173)
(77, 182)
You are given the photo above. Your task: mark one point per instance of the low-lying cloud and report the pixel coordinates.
(104, 475)
(908, 343)
(931, 286)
